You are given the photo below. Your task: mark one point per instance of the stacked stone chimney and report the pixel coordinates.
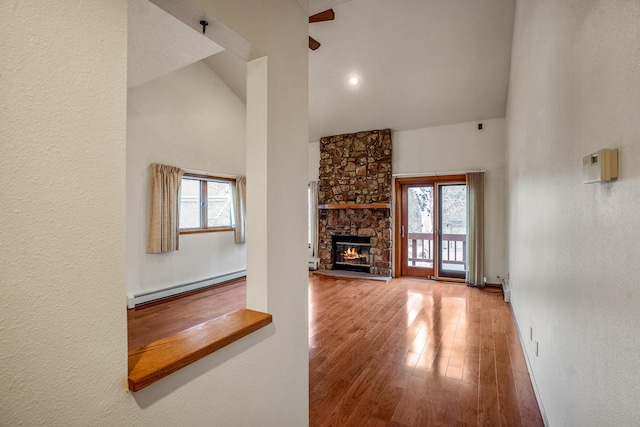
(354, 193)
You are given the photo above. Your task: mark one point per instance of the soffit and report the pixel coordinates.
(159, 44)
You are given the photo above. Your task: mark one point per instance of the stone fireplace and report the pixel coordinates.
(354, 196)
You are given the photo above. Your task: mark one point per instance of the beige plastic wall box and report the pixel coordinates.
(600, 166)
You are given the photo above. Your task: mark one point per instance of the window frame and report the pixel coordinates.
(204, 212)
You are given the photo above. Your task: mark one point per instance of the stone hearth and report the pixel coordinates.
(355, 181)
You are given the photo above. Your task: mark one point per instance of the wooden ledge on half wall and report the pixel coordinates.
(167, 355)
(356, 206)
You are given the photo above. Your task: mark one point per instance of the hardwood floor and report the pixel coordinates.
(408, 352)
(414, 353)
(149, 323)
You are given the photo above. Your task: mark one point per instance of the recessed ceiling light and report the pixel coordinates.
(354, 80)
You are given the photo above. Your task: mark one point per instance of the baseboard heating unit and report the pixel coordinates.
(134, 300)
(506, 289)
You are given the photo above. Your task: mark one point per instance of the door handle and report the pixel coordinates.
(402, 231)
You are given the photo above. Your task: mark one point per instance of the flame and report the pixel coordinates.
(352, 254)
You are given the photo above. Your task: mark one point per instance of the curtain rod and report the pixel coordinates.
(221, 175)
(434, 173)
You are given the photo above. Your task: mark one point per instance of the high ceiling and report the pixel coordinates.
(421, 63)
(159, 44)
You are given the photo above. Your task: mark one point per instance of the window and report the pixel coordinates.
(206, 204)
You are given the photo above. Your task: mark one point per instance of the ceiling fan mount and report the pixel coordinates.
(327, 15)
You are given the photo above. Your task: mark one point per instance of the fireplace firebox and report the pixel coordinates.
(351, 253)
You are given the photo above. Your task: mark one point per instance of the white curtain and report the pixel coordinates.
(164, 222)
(475, 229)
(313, 194)
(240, 211)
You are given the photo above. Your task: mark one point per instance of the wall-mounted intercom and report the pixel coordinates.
(600, 166)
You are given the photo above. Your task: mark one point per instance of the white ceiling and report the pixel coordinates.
(159, 44)
(316, 6)
(422, 62)
(232, 70)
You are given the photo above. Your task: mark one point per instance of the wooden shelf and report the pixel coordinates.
(167, 355)
(356, 206)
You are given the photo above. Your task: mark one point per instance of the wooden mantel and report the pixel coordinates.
(356, 206)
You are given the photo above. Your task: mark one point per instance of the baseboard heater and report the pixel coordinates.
(506, 289)
(134, 300)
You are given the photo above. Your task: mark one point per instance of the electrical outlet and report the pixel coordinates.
(536, 348)
(531, 333)
(485, 279)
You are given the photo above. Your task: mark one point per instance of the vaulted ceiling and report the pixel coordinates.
(421, 63)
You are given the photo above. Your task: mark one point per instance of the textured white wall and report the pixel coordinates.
(575, 88)
(63, 340)
(63, 345)
(192, 120)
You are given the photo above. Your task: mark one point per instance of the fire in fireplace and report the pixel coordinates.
(351, 253)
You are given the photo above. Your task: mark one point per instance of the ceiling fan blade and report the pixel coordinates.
(313, 43)
(327, 15)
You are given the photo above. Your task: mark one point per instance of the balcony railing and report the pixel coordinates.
(454, 248)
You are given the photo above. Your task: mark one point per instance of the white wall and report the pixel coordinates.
(63, 325)
(63, 331)
(314, 161)
(192, 120)
(575, 88)
(453, 148)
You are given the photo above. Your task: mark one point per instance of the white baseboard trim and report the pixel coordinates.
(134, 300)
(531, 376)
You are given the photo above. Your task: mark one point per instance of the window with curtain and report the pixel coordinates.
(312, 206)
(164, 214)
(310, 216)
(241, 207)
(475, 230)
(207, 203)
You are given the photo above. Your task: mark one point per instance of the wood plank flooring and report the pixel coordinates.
(407, 352)
(150, 322)
(414, 353)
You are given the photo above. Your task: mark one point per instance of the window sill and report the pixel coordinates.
(166, 356)
(205, 230)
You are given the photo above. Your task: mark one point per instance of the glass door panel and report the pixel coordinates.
(452, 245)
(417, 230)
